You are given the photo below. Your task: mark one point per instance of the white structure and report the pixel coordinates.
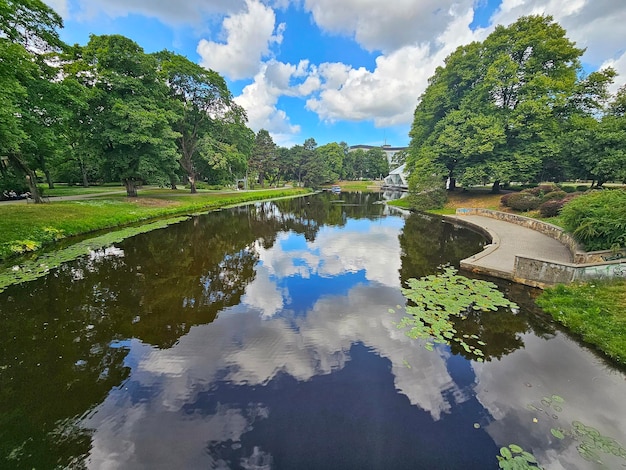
(398, 178)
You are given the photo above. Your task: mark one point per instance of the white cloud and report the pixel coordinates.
(389, 94)
(384, 25)
(60, 6)
(260, 98)
(248, 36)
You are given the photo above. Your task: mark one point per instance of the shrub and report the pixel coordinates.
(542, 189)
(568, 188)
(523, 201)
(553, 195)
(597, 219)
(504, 200)
(551, 208)
(582, 188)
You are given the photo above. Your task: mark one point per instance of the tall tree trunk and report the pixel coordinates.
(192, 184)
(131, 187)
(48, 178)
(495, 189)
(83, 172)
(31, 178)
(452, 183)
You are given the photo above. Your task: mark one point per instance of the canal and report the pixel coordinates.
(266, 337)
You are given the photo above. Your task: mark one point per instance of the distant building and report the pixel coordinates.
(388, 149)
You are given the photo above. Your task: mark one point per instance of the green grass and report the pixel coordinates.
(29, 227)
(403, 203)
(365, 185)
(596, 311)
(63, 191)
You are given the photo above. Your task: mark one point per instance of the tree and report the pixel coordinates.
(129, 112)
(200, 96)
(28, 29)
(376, 165)
(264, 156)
(332, 157)
(496, 110)
(30, 23)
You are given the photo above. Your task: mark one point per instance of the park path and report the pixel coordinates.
(77, 197)
(509, 240)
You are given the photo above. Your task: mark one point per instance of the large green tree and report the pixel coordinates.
(130, 113)
(200, 97)
(28, 32)
(264, 159)
(496, 110)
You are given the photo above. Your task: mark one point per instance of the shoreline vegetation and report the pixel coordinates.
(595, 311)
(27, 228)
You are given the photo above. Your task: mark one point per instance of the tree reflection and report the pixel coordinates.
(428, 242)
(65, 337)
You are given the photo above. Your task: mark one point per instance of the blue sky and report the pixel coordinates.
(334, 70)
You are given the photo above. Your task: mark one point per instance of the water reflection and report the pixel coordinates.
(259, 338)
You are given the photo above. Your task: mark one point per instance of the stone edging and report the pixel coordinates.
(541, 273)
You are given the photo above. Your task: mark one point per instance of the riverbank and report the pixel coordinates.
(594, 310)
(29, 227)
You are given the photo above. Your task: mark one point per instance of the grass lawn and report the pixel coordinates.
(28, 227)
(365, 185)
(64, 190)
(595, 310)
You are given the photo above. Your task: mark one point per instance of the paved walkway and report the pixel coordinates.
(509, 240)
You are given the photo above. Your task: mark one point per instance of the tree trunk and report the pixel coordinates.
(452, 185)
(173, 183)
(31, 178)
(49, 179)
(495, 189)
(192, 184)
(83, 172)
(131, 187)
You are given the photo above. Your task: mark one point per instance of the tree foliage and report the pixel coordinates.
(497, 110)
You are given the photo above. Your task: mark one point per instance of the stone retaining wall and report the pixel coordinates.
(541, 273)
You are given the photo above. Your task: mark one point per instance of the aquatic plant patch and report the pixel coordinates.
(436, 300)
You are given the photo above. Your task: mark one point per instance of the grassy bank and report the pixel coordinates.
(596, 311)
(28, 227)
(365, 185)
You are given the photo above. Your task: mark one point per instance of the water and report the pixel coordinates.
(261, 338)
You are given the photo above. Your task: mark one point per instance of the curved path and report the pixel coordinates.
(509, 240)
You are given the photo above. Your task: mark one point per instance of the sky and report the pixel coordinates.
(335, 70)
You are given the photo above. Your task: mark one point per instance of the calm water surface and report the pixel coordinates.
(261, 338)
